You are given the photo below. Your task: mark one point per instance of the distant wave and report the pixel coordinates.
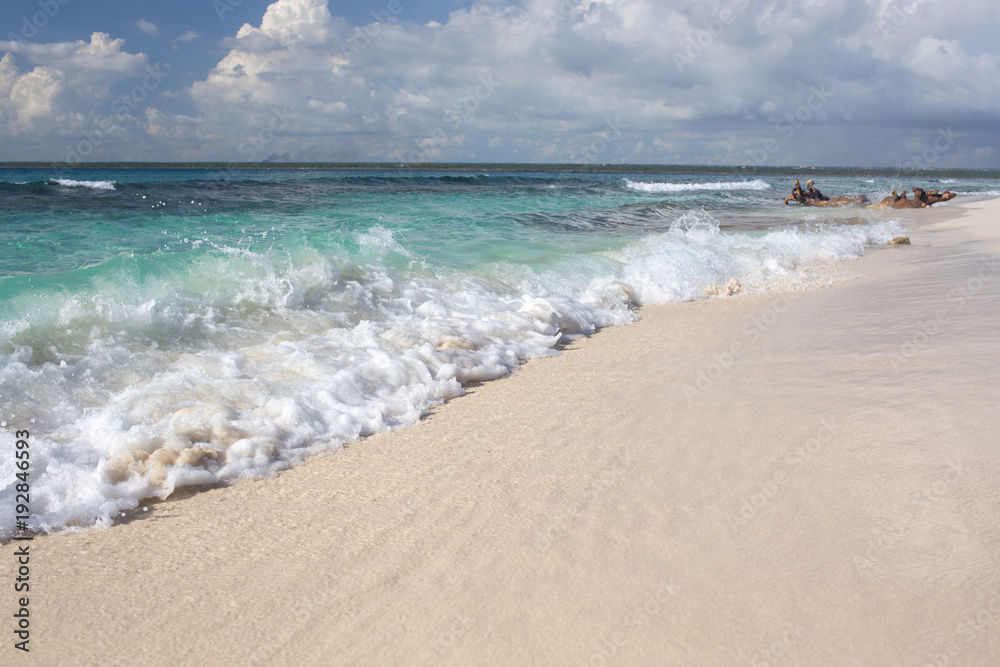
(696, 187)
(93, 185)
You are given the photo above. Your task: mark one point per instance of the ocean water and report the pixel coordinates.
(184, 327)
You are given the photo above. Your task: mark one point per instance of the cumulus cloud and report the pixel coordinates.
(50, 92)
(89, 67)
(188, 36)
(724, 81)
(30, 95)
(595, 80)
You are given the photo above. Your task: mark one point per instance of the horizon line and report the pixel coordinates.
(499, 166)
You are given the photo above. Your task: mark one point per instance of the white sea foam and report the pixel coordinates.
(93, 185)
(239, 364)
(696, 255)
(659, 187)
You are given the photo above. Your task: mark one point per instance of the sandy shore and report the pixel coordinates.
(800, 479)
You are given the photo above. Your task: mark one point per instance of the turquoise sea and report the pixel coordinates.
(162, 328)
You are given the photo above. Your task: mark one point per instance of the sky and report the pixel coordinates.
(880, 83)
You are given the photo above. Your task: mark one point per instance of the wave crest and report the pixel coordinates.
(93, 185)
(724, 186)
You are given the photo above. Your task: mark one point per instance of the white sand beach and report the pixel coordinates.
(789, 479)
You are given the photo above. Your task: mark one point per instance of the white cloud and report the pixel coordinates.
(188, 36)
(35, 95)
(551, 76)
(597, 80)
(8, 75)
(62, 91)
(30, 100)
(93, 63)
(147, 27)
(295, 22)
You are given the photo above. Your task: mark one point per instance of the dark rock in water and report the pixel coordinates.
(900, 240)
(921, 199)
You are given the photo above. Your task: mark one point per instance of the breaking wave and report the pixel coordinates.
(724, 186)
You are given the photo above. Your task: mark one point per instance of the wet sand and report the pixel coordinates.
(808, 478)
